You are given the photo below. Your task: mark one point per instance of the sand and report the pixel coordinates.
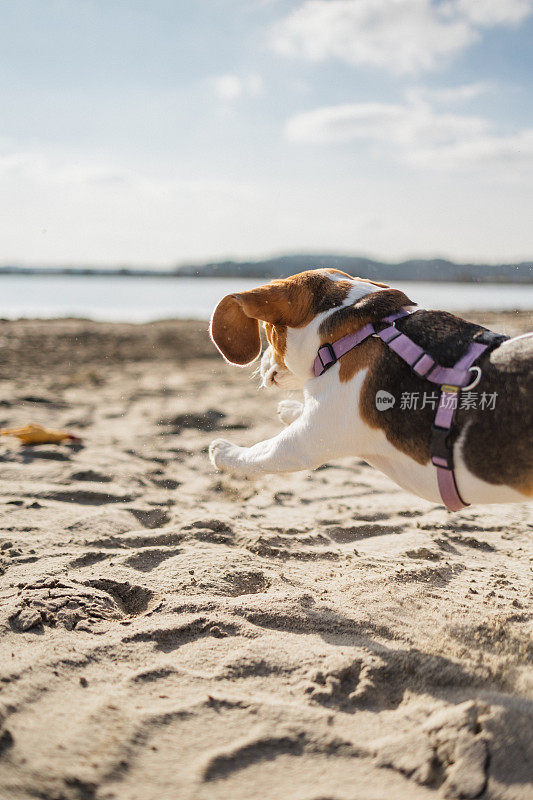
(168, 632)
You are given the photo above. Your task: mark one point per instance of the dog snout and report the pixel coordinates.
(268, 368)
(274, 375)
(269, 377)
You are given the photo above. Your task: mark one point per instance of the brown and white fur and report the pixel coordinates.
(493, 449)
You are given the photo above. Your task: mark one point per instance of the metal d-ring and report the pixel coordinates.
(476, 380)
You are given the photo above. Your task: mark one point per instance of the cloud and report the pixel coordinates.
(402, 124)
(231, 87)
(405, 36)
(415, 133)
(448, 95)
(494, 12)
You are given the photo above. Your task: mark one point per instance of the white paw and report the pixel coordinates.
(223, 454)
(289, 410)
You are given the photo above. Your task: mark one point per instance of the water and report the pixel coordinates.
(131, 299)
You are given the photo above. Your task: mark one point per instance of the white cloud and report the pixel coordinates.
(415, 133)
(404, 125)
(448, 95)
(494, 12)
(399, 35)
(231, 87)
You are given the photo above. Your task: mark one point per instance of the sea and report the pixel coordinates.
(117, 298)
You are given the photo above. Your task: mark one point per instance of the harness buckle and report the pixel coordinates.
(326, 365)
(475, 380)
(440, 447)
(389, 325)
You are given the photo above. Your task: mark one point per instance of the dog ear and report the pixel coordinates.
(234, 326)
(235, 334)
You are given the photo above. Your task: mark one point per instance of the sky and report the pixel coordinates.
(161, 132)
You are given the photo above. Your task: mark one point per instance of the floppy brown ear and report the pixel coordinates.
(269, 303)
(235, 322)
(234, 333)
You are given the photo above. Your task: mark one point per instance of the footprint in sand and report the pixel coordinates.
(210, 420)
(151, 518)
(168, 639)
(166, 483)
(88, 559)
(355, 533)
(137, 541)
(350, 683)
(211, 530)
(61, 602)
(91, 475)
(437, 576)
(449, 751)
(85, 497)
(32, 453)
(240, 582)
(131, 599)
(75, 606)
(150, 558)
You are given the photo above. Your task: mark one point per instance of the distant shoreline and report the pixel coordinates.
(415, 269)
(521, 274)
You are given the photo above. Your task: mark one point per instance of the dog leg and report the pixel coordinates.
(295, 448)
(289, 410)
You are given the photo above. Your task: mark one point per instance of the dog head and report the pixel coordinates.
(299, 314)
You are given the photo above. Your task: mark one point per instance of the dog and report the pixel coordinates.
(374, 401)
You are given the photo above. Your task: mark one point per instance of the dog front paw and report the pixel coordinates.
(289, 410)
(223, 454)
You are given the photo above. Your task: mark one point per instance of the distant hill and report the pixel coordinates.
(436, 269)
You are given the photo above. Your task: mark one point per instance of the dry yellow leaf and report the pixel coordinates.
(36, 434)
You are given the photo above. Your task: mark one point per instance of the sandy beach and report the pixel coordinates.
(170, 633)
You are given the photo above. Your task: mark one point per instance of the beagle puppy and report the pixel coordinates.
(369, 401)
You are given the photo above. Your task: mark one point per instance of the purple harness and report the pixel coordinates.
(450, 379)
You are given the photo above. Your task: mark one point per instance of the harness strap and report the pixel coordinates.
(329, 354)
(441, 449)
(424, 365)
(450, 379)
